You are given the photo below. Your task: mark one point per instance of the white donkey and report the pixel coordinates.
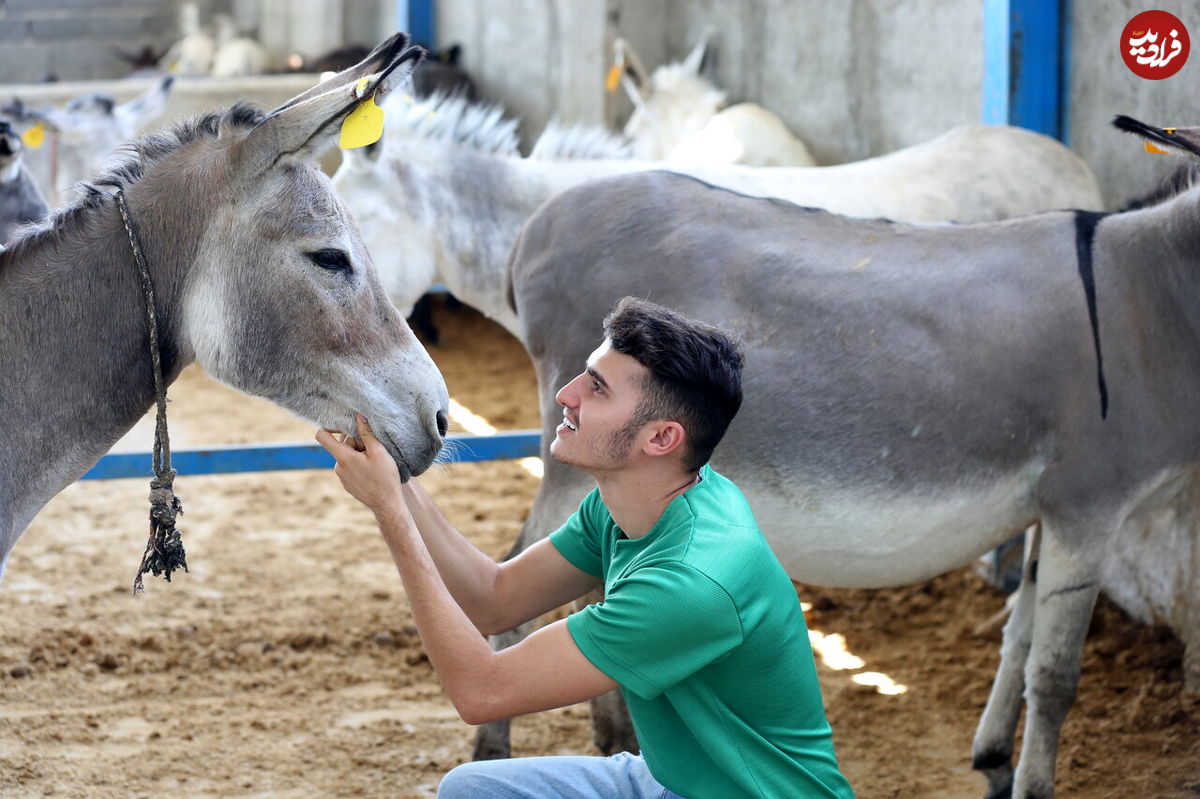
(445, 193)
(260, 275)
(83, 133)
(680, 117)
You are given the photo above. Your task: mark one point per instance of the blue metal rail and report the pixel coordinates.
(281, 457)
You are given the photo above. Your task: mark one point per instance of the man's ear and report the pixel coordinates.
(308, 124)
(665, 438)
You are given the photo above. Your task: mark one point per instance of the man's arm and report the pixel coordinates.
(545, 670)
(496, 597)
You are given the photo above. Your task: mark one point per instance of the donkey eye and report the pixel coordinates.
(333, 260)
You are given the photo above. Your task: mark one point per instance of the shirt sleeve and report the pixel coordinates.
(578, 540)
(657, 627)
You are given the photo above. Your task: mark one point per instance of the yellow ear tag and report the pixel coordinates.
(1150, 148)
(363, 125)
(35, 137)
(613, 79)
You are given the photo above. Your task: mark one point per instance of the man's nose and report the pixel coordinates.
(565, 395)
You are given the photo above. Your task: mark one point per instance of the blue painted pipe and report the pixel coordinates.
(1024, 65)
(282, 457)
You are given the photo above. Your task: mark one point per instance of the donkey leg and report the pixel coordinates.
(1067, 586)
(612, 729)
(993, 747)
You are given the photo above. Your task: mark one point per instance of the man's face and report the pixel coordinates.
(597, 405)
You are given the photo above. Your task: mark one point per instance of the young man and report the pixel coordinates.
(700, 626)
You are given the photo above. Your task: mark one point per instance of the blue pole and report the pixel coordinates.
(1024, 64)
(419, 19)
(283, 457)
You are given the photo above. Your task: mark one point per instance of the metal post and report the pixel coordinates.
(1024, 46)
(419, 19)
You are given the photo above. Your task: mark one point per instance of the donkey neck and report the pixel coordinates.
(75, 358)
(1161, 246)
(479, 202)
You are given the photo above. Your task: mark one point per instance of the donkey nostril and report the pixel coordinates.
(442, 423)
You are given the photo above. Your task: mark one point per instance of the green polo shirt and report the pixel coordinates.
(702, 629)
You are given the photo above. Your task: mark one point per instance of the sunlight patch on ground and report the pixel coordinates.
(833, 652)
(880, 682)
(476, 425)
(831, 648)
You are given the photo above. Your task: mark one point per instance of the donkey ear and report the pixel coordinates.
(1184, 141)
(309, 123)
(694, 63)
(131, 116)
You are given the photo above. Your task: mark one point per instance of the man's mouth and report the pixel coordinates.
(567, 423)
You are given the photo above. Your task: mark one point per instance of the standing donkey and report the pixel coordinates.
(915, 395)
(260, 275)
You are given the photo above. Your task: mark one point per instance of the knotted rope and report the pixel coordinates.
(164, 549)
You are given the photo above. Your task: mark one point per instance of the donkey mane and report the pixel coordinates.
(579, 142)
(128, 163)
(453, 119)
(1179, 181)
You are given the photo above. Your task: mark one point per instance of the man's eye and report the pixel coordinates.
(597, 387)
(333, 260)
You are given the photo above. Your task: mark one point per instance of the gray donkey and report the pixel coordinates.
(914, 396)
(20, 200)
(260, 275)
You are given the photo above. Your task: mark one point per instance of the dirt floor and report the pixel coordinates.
(286, 664)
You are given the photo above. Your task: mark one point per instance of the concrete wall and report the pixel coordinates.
(76, 39)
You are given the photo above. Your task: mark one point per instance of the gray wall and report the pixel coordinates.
(76, 39)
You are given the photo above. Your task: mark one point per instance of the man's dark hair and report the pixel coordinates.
(695, 373)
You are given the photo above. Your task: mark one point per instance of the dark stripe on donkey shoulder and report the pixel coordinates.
(1085, 234)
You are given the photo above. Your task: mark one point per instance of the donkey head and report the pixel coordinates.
(669, 105)
(281, 298)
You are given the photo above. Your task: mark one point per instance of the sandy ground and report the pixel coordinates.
(286, 664)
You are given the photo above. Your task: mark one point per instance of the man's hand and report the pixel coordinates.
(365, 468)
